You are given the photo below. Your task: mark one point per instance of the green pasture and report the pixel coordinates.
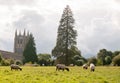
(50, 75)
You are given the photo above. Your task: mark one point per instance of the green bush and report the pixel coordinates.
(116, 60)
(79, 62)
(5, 62)
(108, 60)
(18, 62)
(99, 62)
(11, 61)
(92, 60)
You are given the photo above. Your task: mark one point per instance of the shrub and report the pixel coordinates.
(18, 62)
(11, 61)
(99, 62)
(92, 60)
(79, 62)
(108, 60)
(5, 62)
(116, 60)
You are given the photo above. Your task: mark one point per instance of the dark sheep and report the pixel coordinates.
(15, 67)
(61, 67)
(85, 66)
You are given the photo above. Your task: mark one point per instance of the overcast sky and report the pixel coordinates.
(97, 23)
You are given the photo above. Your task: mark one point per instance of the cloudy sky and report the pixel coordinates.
(97, 23)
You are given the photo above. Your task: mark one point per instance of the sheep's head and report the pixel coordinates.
(20, 69)
(67, 69)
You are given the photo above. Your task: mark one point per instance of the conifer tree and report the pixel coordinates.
(30, 51)
(66, 38)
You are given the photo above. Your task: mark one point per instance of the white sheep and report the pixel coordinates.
(92, 67)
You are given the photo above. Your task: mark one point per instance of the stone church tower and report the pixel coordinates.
(20, 42)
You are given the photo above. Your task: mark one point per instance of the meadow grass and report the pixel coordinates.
(50, 75)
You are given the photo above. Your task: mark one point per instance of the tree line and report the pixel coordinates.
(102, 58)
(105, 57)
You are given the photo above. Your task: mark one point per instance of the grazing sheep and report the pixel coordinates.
(15, 67)
(92, 67)
(61, 67)
(85, 66)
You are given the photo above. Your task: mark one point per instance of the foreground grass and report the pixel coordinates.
(50, 75)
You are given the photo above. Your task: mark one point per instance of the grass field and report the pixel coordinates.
(50, 75)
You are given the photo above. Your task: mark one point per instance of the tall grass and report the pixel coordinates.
(50, 75)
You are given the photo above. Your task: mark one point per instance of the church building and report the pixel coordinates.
(20, 41)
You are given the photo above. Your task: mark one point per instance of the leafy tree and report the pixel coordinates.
(30, 51)
(108, 60)
(5, 62)
(102, 54)
(44, 59)
(44, 56)
(18, 62)
(11, 61)
(73, 52)
(79, 60)
(99, 62)
(76, 57)
(116, 60)
(92, 60)
(115, 53)
(66, 38)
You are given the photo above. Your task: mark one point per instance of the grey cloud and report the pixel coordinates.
(17, 2)
(5, 45)
(85, 17)
(117, 1)
(29, 19)
(42, 27)
(104, 34)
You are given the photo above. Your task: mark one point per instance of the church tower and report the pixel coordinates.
(20, 42)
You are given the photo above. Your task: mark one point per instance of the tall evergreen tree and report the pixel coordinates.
(66, 38)
(30, 51)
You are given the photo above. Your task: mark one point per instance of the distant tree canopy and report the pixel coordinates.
(103, 56)
(30, 51)
(79, 60)
(45, 59)
(44, 56)
(115, 53)
(108, 60)
(92, 60)
(66, 39)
